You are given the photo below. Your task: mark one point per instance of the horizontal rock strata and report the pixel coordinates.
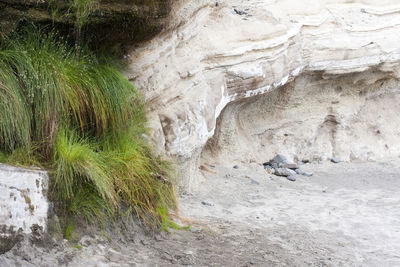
(214, 56)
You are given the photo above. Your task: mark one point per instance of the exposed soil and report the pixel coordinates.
(346, 214)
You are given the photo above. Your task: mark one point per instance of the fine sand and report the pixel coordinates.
(346, 214)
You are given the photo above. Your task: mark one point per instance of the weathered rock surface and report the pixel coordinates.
(279, 161)
(313, 79)
(23, 204)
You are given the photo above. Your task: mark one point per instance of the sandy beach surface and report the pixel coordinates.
(346, 214)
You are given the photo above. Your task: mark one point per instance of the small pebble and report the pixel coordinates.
(207, 203)
(144, 242)
(255, 182)
(335, 160)
(194, 230)
(239, 12)
(291, 178)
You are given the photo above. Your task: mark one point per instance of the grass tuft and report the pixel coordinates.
(80, 118)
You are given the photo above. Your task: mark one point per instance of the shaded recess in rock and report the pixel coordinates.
(112, 22)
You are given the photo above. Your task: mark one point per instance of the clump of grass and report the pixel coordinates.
(87, 203)
(77, 162)
(43, 84)
(21, 157)
(167, 224)
(84, 121)
(68, 233)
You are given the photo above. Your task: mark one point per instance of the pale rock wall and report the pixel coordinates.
(210, 57)
(314, 118)
(23, 203)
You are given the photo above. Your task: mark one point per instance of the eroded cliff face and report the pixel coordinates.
(313, 118)
(310, 79)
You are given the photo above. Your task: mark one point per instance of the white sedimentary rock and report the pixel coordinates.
(23, 200)
(210, 57)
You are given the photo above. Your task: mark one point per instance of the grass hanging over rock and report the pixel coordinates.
(81, 119)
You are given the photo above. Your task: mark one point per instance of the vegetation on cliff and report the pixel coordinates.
(81, 119)
(103, 23)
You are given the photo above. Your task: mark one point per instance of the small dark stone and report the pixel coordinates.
(158, 238)
(85, 241)
(216, 4)
(145, 242)
(236, 167)
(335, 160)
(239, 12)
(194, 230)
(26, 258)
(207, 203)
(167, 257)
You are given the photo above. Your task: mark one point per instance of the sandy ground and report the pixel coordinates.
(346, 214)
